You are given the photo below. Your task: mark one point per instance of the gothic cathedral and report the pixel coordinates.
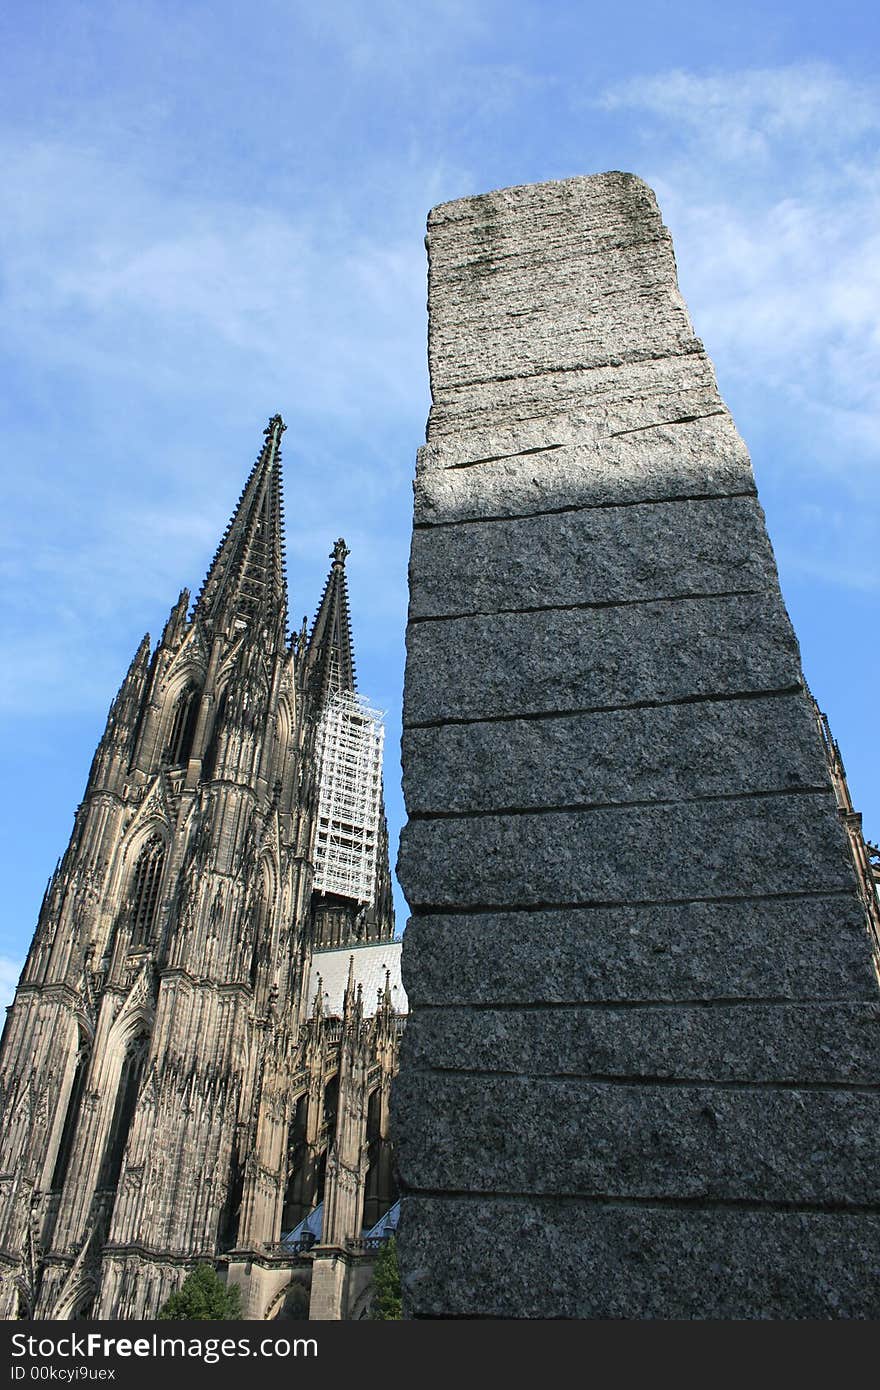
(198, 1061)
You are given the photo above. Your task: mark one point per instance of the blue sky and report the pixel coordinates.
(214, 212)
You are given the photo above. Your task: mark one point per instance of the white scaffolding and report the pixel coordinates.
(349, 744)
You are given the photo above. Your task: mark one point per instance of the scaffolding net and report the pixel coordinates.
(350, 740)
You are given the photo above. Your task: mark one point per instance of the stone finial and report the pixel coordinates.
(339, 552)
(318, 1005)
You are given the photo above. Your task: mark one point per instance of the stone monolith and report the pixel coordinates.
(640, 1076)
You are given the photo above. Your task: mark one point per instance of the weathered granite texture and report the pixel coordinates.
(539, 1257)
(640, 1079)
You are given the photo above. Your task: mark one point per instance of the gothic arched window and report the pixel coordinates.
(260, 927)
(145, 889)
(123, 1111)
(183, 725)
(331, 1104)
(209, 764)
(70, 1118)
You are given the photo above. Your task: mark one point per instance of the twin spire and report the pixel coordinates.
(329, 657)
(246, 584)
(246, 579)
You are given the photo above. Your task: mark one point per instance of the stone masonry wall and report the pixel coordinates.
(640, 1076)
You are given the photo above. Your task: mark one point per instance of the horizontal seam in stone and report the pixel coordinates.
(580, 506)
(588, 604)
(496, 458)
(720, 1001)
(457, 313)
(629, 359)
(529, 716)
(497, 909)
(457, 271)
(611, 1081)
(576, 806)
(661, 424)
(661, 1203)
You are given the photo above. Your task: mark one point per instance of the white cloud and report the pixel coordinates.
(110, 273)
(744, 115)
(136, 295)
(770, 183)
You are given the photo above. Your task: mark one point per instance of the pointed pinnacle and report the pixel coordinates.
(330, 657)
(246, 578)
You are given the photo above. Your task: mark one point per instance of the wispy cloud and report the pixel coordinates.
(770, 182)
(142, 295)
(746, 115)
(109, 272)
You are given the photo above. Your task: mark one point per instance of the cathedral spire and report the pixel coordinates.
(189, 882)
(124, 711)
(329, 657)
(246, 578)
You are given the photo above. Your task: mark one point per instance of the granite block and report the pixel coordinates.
(619, 455)
(743, 847)
(790, 948)
(777, 948)
(601, 1260)
(586, 658)
(599, 555)
(695, 1143)
(614, 756)
(712, 1042)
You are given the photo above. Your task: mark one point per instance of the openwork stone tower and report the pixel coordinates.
(642, 1071)
(172, 1086)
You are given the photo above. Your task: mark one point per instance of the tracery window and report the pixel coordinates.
(183, 725)
(123, 1110)
(210, 759)
(262, 913)
(71, 1116)
(145, 889)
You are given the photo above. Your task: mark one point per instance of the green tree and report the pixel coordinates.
(386, 1284)
(202, 1295)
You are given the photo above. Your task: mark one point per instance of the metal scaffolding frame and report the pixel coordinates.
(350, 740)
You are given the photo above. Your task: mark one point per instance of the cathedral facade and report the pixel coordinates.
(198, 1061)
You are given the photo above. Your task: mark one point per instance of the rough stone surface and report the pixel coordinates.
(586, 658)
(504, 473)
(612, 756)
(706, 1042)
(604, 1260)
(641, 1076)
(748, 1143)
(688, 849)
(789, 948)
(710, 546)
